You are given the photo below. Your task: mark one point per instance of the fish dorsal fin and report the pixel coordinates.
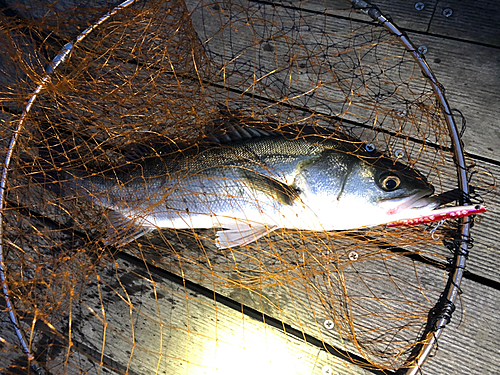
(241, 234)
(236, 134)
(231, 128)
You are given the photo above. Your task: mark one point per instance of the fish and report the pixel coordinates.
(249, 185)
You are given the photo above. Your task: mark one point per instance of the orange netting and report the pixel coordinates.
(168, 73)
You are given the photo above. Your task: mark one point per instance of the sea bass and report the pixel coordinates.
(255, 185)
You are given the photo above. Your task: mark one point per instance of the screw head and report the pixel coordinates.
(402, 112)
(422, 50)
(419, 6)
(353, 256)
(370, 147)
(399, 153)
(447, 12)
(329, 324)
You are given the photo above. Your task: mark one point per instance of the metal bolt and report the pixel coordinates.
(370, 147)
(422, 50)
(353, 256)
(419, 6)
(447, 12)
(329, 324)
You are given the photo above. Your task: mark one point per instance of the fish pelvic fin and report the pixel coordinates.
(241, 234)
(122, 231)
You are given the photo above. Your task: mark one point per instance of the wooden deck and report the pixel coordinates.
(150, 312)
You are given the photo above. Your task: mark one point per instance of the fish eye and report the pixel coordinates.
(390, 183)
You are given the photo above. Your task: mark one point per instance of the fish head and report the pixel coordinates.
(346, 192)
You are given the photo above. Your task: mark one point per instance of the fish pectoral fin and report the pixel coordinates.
(278, 190)
(122, 231)
(241, 234)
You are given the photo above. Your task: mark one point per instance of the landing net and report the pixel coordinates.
(158, 73)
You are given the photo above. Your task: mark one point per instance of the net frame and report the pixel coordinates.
(63, 55)
(443, 308)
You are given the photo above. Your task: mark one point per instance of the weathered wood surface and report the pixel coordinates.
(469, 344)
(461, 346)
(475, 21)
(471, 77)
(167, 328)
(468, 71)
(139, 321)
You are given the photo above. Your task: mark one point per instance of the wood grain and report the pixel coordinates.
(403, 13)
(469, 343)
(471, 79)
(474, 21)
(469, 72)
(142, 323)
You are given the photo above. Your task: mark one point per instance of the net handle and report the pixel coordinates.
(445, 305)
(63, 55)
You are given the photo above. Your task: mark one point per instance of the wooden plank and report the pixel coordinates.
(404, 13)
(16, 50)
(305, 283)
(334, 99)
(147, 324)
(12, 358)
(128, 318)
(123, 290)
(296, 305)
(467, 71)
(48, 350)
(469, 344)
(472, 21)
(475, 21)
(355, 72)
(469, 74)
(484, 257)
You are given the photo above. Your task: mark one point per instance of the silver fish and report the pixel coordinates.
(251, 187)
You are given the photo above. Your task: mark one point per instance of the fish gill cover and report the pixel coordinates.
(153, 86)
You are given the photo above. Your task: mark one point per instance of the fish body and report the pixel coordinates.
(251, 187)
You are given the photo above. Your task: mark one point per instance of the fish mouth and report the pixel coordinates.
(421, 200)
(428, 201)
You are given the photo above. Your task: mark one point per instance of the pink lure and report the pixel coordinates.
(453, 212)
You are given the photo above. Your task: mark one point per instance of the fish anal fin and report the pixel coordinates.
(122, 230)
(241, 234)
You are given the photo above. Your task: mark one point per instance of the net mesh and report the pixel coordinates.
(172, 302)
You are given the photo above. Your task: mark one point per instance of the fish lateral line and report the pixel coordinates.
(454, 212)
